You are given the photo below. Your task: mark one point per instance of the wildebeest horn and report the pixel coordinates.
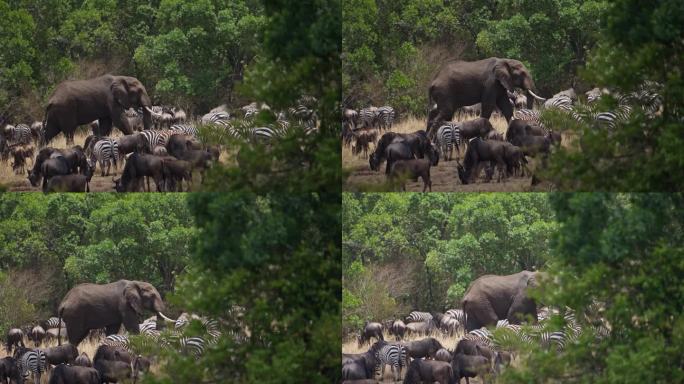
(534, 95)
(166, 318)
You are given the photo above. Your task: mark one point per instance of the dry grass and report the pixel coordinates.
(449, 342)
(444, 176)
(20, 183)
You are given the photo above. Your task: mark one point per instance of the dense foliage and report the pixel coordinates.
(391, 49)
(641, 43)
(187, 53)
(51, 243)
(624, 251)
(403, 252)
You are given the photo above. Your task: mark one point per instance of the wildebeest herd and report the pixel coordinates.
(482, 88)
(496, 320)
(163, 143)
(95, 313)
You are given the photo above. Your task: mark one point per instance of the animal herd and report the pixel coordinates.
(492, 83)
(496, 321)
(159, 142)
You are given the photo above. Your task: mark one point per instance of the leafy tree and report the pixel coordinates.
(622, 250)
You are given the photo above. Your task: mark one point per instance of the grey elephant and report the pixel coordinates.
(491, 298)
(93, 306)
(462, 83)
(105, 99)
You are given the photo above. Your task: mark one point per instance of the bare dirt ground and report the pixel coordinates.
(444, 176)
(350, 345)
(20, 183)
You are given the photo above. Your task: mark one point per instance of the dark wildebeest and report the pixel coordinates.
(138, 166)
(480, 151)
(199, 159)
(178, 144)
(54, 166)
(19, 155)
(175, 171)
(83, 360)
(14, 338)
(479, 127)
(9, 371)
(469, 366)
(420, 327)
(398, 328)
(354, 371)
(443, 355)
(61, 354)
(518, 128)
(37, 334)
(113, 371)
(370, 330)
(412, 168)
(427, 347)
(66, 374)
(425, 371)
(417, 142)
(367, 359)
(107, 352)
(363, 140)
(69, 183)
(131, 143)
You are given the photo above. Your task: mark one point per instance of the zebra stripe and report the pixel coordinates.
(417, 316)
(156, 138)
(481, 336)
(448, 135)
(185, 129)
(367, 117)
(119, 341)
(457, 314)
(560, 102)
(393, 355)
(192, 345)
(19, 134)
(54, 322)
(214, 117)
(385, 117)
(32, 362)
(105, 151)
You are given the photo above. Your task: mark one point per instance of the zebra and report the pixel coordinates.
(393, 355)
(547, 339)
(156, 138)
(214, 117)
(19, 134)
(185, 129)
(192, 345)
(54, 322)
(306, 117)
(448, 135)
(32, 362)
(560, 102)
(260, 134)
(457, 314)
(481, 336)
(417, 316)
(120, 341)
(104, 151)
(368, 117)
(529, 115)
(250, 110)
(385, 117)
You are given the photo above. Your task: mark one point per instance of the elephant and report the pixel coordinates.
(93, 306)
(492, 297)
(105, 98)
(462, 83)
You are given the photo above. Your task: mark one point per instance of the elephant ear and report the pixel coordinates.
(502, 73)
(132, 297)
(119, 89)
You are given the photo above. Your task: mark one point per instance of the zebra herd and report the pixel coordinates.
(504, 339)
(360, 128)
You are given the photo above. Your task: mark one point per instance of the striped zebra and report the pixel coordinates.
(148, 327)
(417, 316)
(104, 151)
(185, 129)
(368, 117)
(481, 336)
(250, 110)
(54, 322)
(191, 345)
(118, 341)
(394, 355)
(214, 117)
(260, 134)
(156, 138)
(457, 314)
(529, 115)
(385, 117)
(306, 117)
(32, 362)
(448, 135)
(19, 134)
(549, 339)
(560, 102)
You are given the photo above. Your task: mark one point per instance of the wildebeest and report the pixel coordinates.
(420, 327)
(19, 155)
(479, 127)
(413, 168)
(199, 159)
(469, 366)
(69, 183)
(480, 151)
(9, 371)
(443, 355)
(131, 143)
(37, 335)
(178, 144)
(367, 360)
(426, 371)
(363, 141)
(417, 142)
(57, 165)
(423, 348)
(66, 374)
(175, 171)
(370, 330)
(398, 328)
(14, 338)
(83, 360)
(354, 371)
(137, 166)
(61, 354)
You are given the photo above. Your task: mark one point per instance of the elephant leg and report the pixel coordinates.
(505, 106)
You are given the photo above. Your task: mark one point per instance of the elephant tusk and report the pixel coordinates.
(166, 318)
(534, 95)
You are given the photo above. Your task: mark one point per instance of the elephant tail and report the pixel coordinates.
(59, 327)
